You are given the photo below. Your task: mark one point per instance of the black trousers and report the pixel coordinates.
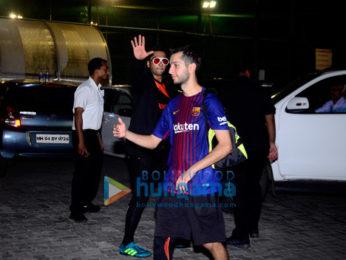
(87, 171)
(147, 169)
(248, 196)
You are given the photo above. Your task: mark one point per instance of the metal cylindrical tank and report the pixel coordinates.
(62, 49)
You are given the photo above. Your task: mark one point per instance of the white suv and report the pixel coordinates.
(311, 145)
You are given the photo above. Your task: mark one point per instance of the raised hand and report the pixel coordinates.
(138, 47)
(119, 130)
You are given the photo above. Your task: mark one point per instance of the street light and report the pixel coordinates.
(209, 4)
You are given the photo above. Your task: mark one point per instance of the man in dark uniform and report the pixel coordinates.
(250, 109)
(151, 94)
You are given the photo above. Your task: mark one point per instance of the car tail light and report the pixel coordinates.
(12, 117)
(17, 123)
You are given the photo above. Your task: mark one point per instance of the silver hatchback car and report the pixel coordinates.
(118, 102)
(35, 120)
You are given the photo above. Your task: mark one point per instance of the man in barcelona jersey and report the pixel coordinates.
(188, 207)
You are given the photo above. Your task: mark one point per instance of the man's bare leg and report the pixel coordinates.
(217, 250)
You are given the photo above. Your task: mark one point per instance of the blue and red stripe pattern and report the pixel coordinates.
(184, 123)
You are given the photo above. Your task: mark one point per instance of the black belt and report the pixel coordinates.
(90, 131)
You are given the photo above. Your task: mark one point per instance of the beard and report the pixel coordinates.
(182, 79)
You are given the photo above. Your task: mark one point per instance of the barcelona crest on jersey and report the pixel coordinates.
(196, 111)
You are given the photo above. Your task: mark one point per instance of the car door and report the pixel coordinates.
(117, 103)
(311, 145)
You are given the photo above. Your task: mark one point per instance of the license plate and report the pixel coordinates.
(52, 139)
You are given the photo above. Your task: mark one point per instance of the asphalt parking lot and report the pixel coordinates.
(34, 209)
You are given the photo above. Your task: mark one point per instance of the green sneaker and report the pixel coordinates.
(134, 250)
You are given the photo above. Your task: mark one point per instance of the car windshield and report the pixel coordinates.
(278, 94)
(41, 99)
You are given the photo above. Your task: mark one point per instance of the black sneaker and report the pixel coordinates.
(78, 217)
(240, 243)
(90, 208)
(253, 233)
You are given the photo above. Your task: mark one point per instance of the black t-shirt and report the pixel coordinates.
(246, 106)
(146, 109)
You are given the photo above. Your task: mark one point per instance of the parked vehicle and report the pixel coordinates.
(311, 145)
(118, 102)
(35, 120)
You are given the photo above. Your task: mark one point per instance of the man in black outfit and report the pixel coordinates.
(87, 141)
(151, 94)
(250, 109)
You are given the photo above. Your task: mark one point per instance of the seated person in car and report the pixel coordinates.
(337, 104)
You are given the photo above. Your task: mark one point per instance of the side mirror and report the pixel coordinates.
(297, 105)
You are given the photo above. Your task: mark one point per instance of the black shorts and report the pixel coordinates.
(198, 218)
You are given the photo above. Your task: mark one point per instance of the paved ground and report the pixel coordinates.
(34, 199)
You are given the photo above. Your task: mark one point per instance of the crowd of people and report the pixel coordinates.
(167, 134)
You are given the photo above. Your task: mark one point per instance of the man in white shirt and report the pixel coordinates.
(87, 141)
(338, 102)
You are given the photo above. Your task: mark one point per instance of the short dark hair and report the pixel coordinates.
(95, 64)
(189, 55)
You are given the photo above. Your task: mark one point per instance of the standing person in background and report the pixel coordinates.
(151, 93)
(252, 112)
(87, 140)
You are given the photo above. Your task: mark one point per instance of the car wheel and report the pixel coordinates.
(3, 167)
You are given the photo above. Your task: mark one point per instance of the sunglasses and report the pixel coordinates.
(156, 60)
